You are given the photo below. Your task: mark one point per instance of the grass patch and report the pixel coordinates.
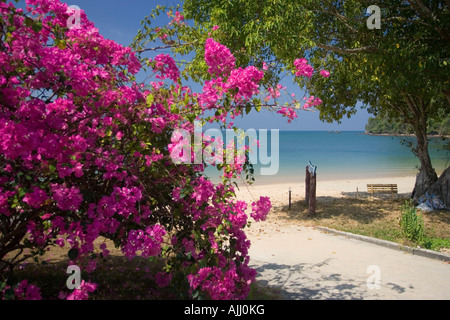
(377, 217)
(260, 291)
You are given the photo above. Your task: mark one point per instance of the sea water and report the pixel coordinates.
(344, 155)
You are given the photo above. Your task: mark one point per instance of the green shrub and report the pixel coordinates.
(436, 243)
(411, 222)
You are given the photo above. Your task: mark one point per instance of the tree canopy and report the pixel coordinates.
(386, 125)
(400, 70)
(408, 55)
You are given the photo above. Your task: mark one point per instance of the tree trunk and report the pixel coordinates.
(447, 95)
(441, 188)
(427, 175)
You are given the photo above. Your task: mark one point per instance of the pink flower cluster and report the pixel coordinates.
(218, 58)
(23, 291)
(67, 199)
(36, 199)
(261, 208)
(148, 242)
(79, 294)
(222, 283)
(274, 92)
(312, 101)
(288, 112)
(241, 83)
(178, 18)
(325, 73)
(166, 66)
(215, 282)
(4, 205)
(246, 81)
(303, 68)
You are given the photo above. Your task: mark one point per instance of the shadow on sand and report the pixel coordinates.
(362, 208)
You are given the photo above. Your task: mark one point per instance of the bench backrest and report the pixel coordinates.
(379, 188)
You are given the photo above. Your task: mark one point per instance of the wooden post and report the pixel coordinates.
(307, 181)
(289, 198)
(312, 195)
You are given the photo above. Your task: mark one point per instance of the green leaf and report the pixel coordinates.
(9, 294)
(37, 26)
(150, 98)
(73, 254)
(186, 99)
(257, 104)
(28, 21)
(248, 109)
(61, 43)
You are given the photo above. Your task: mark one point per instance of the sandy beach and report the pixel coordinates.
(327, 192)
(279, 192)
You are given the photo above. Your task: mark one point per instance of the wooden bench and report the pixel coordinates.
(382, 188)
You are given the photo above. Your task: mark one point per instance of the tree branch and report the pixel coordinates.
(422, 8)
(342, 18)
(366, 49)
(166, 47)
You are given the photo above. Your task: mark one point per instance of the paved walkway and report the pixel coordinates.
(310, 264)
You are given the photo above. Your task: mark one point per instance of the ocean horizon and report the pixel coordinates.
(342, 155)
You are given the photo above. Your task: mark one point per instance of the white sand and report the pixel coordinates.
(279, 197)
(279, 192)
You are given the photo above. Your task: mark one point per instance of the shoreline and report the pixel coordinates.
(405, 135)
(300, 178)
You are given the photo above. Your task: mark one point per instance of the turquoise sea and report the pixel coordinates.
(344, 155)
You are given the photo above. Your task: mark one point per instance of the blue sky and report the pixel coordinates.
(120, 20)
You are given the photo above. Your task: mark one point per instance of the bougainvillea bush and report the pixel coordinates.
(85, 154)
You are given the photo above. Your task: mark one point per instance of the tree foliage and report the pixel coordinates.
(400, 70)
(386, 125)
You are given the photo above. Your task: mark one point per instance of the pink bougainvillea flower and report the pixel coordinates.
(67, 198)
(303, 68)
(80, 294)
(261, 208)
(325, 73)
(26, 291)
(219, 58)
(36, 198)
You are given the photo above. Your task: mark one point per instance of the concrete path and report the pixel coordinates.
(310, 264)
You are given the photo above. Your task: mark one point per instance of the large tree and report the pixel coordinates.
(400, 70)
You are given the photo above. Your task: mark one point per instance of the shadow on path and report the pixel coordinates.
(308, 282)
